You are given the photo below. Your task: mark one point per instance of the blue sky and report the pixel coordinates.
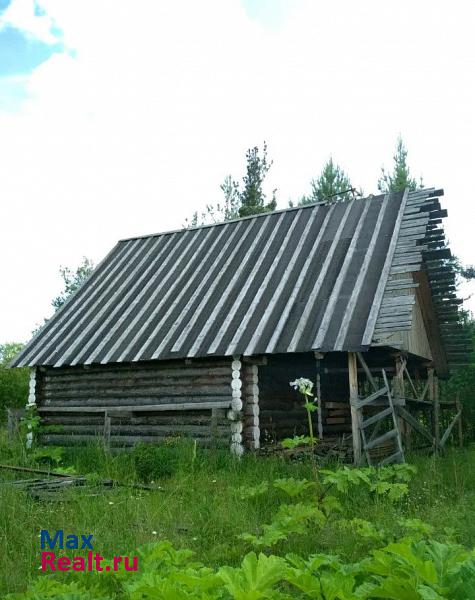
(20, 54)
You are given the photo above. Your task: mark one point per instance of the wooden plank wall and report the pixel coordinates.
(117, 388)
(281, 412)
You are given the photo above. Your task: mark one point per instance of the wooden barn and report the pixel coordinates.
(198, 332)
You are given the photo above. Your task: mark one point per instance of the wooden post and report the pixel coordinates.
(355, 422)
(458, 405)
(318, 392)
(399, 392)
(435, 406)
(436, 412)
(235, 414)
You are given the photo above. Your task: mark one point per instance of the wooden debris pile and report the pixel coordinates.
(340, 450)
(57, 482)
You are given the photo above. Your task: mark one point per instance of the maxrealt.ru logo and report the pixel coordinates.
(92, 561)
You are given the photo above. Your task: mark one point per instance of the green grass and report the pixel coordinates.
(199, 507)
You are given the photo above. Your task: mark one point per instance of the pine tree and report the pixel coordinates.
(252, 197)
(250, 200)
(400, 178)
(332, 185)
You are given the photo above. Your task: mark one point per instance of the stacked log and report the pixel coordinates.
(252, 432)
(235, 414)
(125, 404)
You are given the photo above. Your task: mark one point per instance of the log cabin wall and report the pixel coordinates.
(145, 402)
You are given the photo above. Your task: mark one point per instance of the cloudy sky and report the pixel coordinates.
(121, 118)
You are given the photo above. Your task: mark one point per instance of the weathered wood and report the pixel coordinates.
(251, 430)
(389, 435)
(118, 392)
(392, 458)
(335, 293)
(448, 431)
(435, 385)
(337, 405)
(370, 399)
(30, 470)
(319, 398)
(355, 418)
(138, 401)
(131, 369)
(377, 417)
(179, 406)
(96, 420)
(459, 422)
(404, 414)
(236, 425)
(367, 370)
(395, 420)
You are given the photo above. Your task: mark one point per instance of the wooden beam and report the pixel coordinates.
(404, 414)
(448, 431)
(367, 371)
(355, 424)
(460, 427)
(136, 408)
(319, 395)
(436, 411)
(260, 360)
(431, 323)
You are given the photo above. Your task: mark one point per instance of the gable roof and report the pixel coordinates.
(306, 278)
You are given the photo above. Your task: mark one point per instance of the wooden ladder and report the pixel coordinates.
(373, 440)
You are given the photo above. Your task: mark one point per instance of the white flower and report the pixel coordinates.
(111, 503)
(154, 532)
(303, 385)
(194, 539)
(213, 481)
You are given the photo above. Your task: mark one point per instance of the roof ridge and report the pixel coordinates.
(265, 214)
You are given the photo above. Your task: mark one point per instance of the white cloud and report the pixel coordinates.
(27, 16)
(154, 103)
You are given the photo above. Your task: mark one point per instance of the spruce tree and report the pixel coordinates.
(400, 178)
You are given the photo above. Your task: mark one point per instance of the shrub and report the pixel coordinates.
(13, 382)
(155, 462)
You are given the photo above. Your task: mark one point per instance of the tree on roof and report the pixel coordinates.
(332, 184)
(252, 197)
(244, 201)
(217, 213)
(400, 178)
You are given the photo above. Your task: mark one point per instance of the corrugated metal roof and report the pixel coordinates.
(289, 281)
